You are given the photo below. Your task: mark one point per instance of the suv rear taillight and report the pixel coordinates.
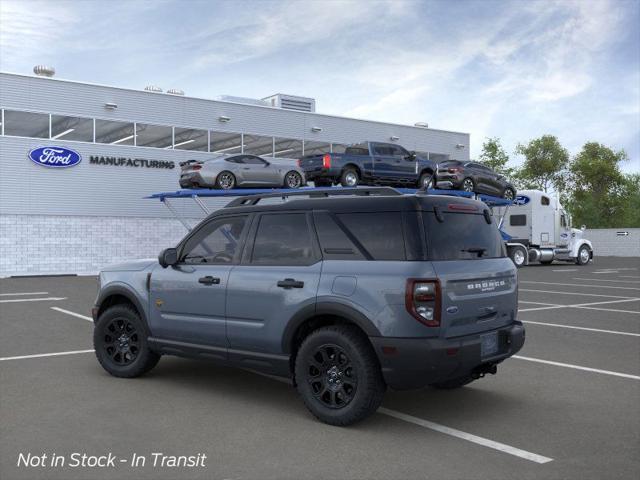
(326, 161)
(423, 300)
(196, 167)
(453, 170)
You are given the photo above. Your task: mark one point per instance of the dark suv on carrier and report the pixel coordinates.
(346, 295)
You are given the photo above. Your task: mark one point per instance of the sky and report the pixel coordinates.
(509, 69)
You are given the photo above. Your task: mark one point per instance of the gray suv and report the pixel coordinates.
(346, 295)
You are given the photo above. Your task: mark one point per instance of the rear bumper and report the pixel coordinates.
(320, 172)
(189, 180)
(409, 363)
(447, 181)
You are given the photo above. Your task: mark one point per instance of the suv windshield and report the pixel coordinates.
(462, 236)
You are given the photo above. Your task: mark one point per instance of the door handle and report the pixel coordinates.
(209, 280)
(246, 168)
(290, 283)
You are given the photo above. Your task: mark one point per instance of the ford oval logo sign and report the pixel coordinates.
(522, 200)
(55, 157)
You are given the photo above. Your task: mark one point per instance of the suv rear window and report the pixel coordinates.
(462, 236)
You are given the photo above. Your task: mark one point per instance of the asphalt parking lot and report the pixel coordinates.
(567, 407)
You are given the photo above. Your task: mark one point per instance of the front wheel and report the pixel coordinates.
(468, 185)
(338, 375)
(293, 179)
(584, 255)
(426, 181)
(120, 342)
(518, 256)
(508, 194)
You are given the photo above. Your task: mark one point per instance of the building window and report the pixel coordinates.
(115, 133)
(156, 136)
(26, 124)
(258, 145)
(316, 148)
(191, 139)
(71, 128)
(287, 148)
(226, 143)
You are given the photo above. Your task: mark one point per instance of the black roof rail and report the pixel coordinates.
(248, 200)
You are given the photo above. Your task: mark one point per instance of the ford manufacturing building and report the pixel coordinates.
(129, 143)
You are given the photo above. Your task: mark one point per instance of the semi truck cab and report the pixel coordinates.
(539, 230)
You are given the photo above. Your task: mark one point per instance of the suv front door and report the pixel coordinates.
(278, 276)
(187, 300)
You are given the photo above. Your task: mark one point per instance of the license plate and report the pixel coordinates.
(489, 344)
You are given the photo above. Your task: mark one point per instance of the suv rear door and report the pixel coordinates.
(478, 282)
(278, 276)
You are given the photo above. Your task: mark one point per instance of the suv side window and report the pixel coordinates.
(380, 233)
(238, 159)
(283, 239)
(334, 241)
(216, 243)
(382, 150)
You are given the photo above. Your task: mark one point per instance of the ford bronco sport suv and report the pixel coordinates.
(346, 295)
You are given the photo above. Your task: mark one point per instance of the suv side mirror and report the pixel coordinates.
(411, 157)
(168, 257)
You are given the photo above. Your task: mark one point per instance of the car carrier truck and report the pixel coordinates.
(538, 229)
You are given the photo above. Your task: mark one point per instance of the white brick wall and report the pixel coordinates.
(607, 242)
(44, 244)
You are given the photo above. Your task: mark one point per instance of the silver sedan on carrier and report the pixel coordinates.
(232, 171)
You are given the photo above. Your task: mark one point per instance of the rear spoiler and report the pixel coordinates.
(188, 162)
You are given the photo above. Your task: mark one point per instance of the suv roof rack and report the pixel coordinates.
(247, 200)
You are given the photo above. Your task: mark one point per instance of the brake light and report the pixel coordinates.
(423, 301)
(461, 207)
(196, 167)
(453, 170)
(326, 161)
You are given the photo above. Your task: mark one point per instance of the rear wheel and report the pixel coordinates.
(508, 194)
(468, 185)
(453, 383)
(584, 255)
(226, 180)
(293, 179)
(120, 342)
(349, 178)
(426, 181)
(338, 375)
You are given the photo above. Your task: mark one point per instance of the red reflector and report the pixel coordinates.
(389, 350)
(462, 208)
(452, 351)
(326, 161)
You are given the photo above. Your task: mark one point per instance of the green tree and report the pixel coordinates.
(495, 157)
(598, 194)
(545, 164)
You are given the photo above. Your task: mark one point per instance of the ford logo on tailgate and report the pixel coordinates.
(55, 157)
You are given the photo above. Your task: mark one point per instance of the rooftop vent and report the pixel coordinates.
(44, 71)
(291, 102)
(421, 124)
(153, 88)
(175, 91)
(245, 100)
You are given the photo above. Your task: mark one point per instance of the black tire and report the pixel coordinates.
(128, 356)
(344, 388)
(225, 180)
(509, 194)
(583, 258)
(349, 177)
(426, 181)
(518, 256)
(292, 179)
(468, 185)
(453, 383)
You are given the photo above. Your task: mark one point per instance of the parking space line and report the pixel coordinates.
(629, 276)
(608, 309)
(485, 442)
(603, 280)
(552, 307)
(581, 285)
(22, 293)
(588, 306)
(574, 293)
(539, 303)
(566, 270)
(73, 314)
(616, 332)
(40, 355)
(578, 367)
(45, 299)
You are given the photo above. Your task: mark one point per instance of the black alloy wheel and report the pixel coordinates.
(331, 375)
(121, 341)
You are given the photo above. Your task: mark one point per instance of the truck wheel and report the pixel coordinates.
(468, 185)
(508, 194)
(426, 181)
(225, 180)
(338, 375)
(584, 255)
(518, 256)
(453, 383)
(349, 178)
(120, 342)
